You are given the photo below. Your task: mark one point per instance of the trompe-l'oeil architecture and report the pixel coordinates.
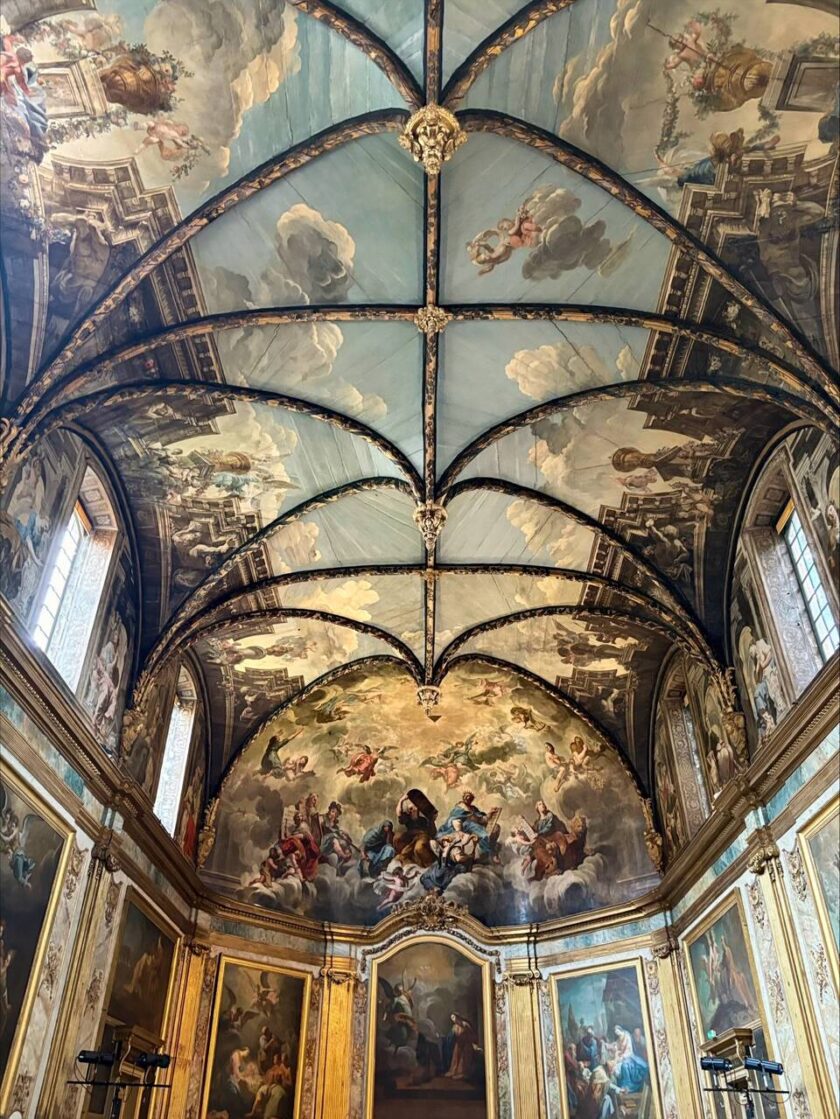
(419, 559)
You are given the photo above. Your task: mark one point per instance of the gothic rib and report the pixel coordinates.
(319, 682)
(432, 52)
(673, 636)
(200, 594)
(503, 124)
(633, 594)
(142, 344)
(214, 391)
(432, 48)
(272, 616)
(461, 312)
(229, 601)
(188, 624)
(725, 386)
(369, 43)
(515, 28)
(659, 579)
(272, 170)
(557, 693)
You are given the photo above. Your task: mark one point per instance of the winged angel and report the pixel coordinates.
(14, 838)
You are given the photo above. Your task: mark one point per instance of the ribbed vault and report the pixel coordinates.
(380, 434)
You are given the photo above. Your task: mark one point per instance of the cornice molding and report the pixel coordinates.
(45, 700)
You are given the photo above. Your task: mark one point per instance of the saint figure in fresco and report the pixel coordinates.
(23, 100)
(472, 820)
(272, 762)
(377, 849)
(456, 854)
(417, 816)
(688, 460)
(336, 845)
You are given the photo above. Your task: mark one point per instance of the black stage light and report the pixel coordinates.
(715, 1064)
(153, 1060)
(771, 1068)
(95, 1057)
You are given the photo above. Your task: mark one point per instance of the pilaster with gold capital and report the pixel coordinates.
(336, 1070)
(526, 1042)
(81, 999)
(766, 864)
(662, 974)
(185, 1023)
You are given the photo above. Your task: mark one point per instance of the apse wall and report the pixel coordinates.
(765, 899)
(114, 921)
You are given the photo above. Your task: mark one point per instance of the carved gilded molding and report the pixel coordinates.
(432, 319)
(432, 135)
(430, 913)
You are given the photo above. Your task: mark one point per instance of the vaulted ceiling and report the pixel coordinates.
(575, 430)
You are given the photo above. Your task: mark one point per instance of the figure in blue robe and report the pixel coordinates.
(630, 1070)
(377, 849)
(473, 822)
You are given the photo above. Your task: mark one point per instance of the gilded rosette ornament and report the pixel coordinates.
(432, 319)
(432, 135)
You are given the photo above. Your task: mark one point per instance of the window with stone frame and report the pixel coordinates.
(804, 561)
(779, 644)
(73, 592)
(176, 752)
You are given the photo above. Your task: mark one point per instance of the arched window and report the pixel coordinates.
(809, 580)
(176, 752)
(72, 590)
(784, 602)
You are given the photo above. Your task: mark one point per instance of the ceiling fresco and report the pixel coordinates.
(338, 807)
(430, 399)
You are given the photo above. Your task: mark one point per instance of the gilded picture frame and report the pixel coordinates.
(226, 962)
(731, 901)
(805, 836)
(134, 898)
(634, 964)
(489, 1026)
(735, 901)
(64, 830)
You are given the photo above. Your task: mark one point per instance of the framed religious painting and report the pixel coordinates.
(142, 972)
(430, 1039)
(603, 1026)
(820, 843)
(723, 980)
(257, 1038)
(35, 845)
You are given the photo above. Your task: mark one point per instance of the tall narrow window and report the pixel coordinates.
(176, 753)
(72, 590)
(810, 584)
(74, 535)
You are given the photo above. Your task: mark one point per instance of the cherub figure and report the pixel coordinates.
(172, 138)
(494, 246)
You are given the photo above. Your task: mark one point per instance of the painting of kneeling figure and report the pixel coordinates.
(430, 1038)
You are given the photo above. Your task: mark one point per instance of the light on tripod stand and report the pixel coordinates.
(153, 1060)
(95, 1057)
